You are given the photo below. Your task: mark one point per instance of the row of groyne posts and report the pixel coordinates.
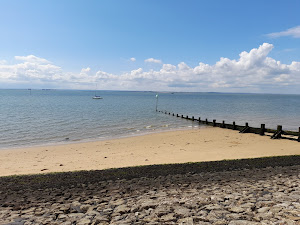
(275, 134)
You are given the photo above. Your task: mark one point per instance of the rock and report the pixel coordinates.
(75, 215)
(233, 216)
(28, 211)
(263, 210)
(242, 222)
(181, 211)
(146, 204)
(65, 208)
(213, 207)
(253, 196)
(107, 211)
(101, 219)
(16, 223)
(295, 218)
(162, 210)
(247, 205)
(84, 221)
(92, 213)
(118, 202)
(84, 208)
(66, 223)
(122, 209)
(168, 218)
(75, 207)
(187, 221)
(62, 217)
(236, 209)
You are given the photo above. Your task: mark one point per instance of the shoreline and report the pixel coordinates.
(191, 145)
(106, 138)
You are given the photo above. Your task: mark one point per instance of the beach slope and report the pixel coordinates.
(195, 145)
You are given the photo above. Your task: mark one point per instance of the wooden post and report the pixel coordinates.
(279, 130)
(181, 116)
(206, 121)
(214, 123)
(299, 135)
(187, 117)
(169, 113)
(173, 114)
(193, 118)
(262, 129)
(245, 129)
(177, 115)
(199, 119)
(223, 124)
(234, 126)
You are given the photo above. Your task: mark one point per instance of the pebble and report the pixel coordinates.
(250, 197)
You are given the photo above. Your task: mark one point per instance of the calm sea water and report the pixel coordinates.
(66, 116)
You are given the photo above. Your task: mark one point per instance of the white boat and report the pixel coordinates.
(97, 96)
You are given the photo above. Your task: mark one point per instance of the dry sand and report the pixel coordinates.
(204, 144)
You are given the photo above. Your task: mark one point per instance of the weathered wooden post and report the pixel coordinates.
(169, 113)
(279, 131)
(193, 118)
(181, 116)
(177, 115)
(187, 117)
(206, 121)
(245, 129)
(222, 125)
(233, 126)
(199, 119)
(262, 129)
(299, 135)
(173, 114)
(214, 123)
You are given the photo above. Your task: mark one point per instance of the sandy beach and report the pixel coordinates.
(205, 144)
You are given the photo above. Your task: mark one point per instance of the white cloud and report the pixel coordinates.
(32, 59)
(253, 71)
(132, 59)
(293, 32)
(3, 62)
(152, 60)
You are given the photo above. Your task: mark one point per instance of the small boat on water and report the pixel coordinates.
(97, 97)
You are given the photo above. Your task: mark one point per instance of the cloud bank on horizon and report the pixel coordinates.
(253, 71)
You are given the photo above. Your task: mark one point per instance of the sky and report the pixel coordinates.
(151, 45)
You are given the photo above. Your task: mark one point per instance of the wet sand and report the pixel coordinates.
(196, 145)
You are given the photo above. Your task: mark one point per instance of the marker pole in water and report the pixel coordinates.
(156, 101)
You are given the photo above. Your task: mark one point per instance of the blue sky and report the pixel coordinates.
(151, 45)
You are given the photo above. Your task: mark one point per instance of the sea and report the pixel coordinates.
(50, 117)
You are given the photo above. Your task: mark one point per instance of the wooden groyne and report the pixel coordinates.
(262, 130)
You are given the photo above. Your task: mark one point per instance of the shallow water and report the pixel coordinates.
(64, 116)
